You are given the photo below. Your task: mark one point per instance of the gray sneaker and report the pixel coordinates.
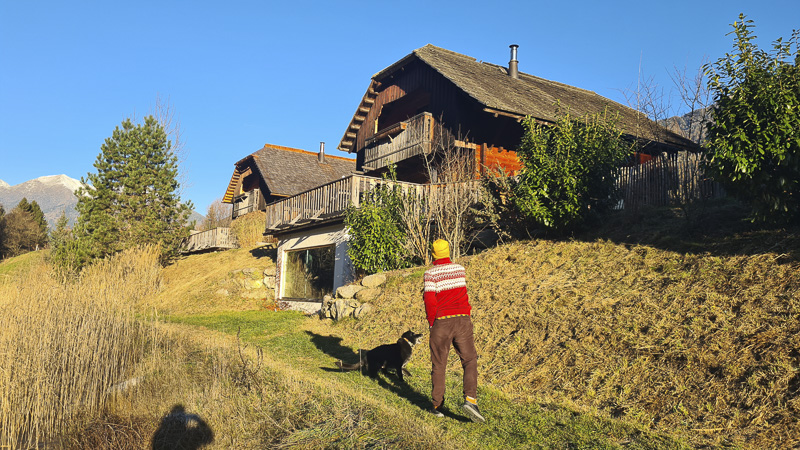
(473, 412)
(436, 412)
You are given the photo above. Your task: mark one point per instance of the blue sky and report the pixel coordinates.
(239, 74)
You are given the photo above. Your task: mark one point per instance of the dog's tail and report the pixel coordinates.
(345, 366)
(361, 363)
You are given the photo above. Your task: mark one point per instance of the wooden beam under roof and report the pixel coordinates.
(232, 185)
(389, 131)
(497, 112)
(360, 116)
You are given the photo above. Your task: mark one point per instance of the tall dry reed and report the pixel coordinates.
(64, 344)
(249, 228)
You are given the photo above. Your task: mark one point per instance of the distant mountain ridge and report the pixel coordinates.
(691, 125)
(54, 194)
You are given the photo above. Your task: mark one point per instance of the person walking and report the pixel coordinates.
(448, 311)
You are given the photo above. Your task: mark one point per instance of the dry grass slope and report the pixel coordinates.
(191, 283)
(694, 334)
(704, 344)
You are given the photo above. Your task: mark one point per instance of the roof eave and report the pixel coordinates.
(363, 109)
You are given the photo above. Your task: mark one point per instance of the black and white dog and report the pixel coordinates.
(387, 356)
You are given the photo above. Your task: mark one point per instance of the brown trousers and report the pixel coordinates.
(458, 331)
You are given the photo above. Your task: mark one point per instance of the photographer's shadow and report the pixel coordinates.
(181, 430)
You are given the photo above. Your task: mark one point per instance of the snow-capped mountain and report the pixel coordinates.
(54, 194)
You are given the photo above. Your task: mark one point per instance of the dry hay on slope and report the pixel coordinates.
(704, 345)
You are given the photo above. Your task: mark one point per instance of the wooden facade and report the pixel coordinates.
(489, 159)
(434, 96)
(247, 191)
(247, 202)
(408, 112)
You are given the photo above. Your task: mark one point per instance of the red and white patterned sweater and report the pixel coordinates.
(445, 290)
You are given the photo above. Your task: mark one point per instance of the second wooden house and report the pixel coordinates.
(275, 172)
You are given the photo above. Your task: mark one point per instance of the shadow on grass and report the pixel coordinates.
(179, 429)
(331, 346)
(265, 252)
(722, 228)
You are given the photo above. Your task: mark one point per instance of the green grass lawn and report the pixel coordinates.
(18, 263)
(510, 423)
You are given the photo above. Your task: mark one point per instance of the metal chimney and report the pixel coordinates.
(513, 65)
(321, 155)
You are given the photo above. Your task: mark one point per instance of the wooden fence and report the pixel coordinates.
(666, 180)
(218, 238)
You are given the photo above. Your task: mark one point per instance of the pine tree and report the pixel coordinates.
(61, 233)
(36, 213)
(66, 253)
(2, 231)
(133, 199)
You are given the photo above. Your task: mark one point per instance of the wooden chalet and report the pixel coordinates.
(435, 95)
(274, 173)
(431, 98)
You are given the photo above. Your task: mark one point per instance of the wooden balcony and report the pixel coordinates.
(400, 141)
(216, 239)
(325, 203)
(246, 203)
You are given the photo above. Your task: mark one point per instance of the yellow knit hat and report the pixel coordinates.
(441, 249)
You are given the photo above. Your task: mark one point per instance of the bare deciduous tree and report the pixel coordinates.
(416, 218)
(655, 105)
(164, 112)
(454, 191)
(694, 187)
(22, 233)
(217, 215)
(694, 94)
(689, 189)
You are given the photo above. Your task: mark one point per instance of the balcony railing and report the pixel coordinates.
(400, 141)
(246, 203)
(217, 238)
(326, 202)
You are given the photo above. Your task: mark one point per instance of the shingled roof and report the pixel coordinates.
(289, 171)
(491, 86)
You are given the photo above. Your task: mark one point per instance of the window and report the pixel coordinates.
(309, 273)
